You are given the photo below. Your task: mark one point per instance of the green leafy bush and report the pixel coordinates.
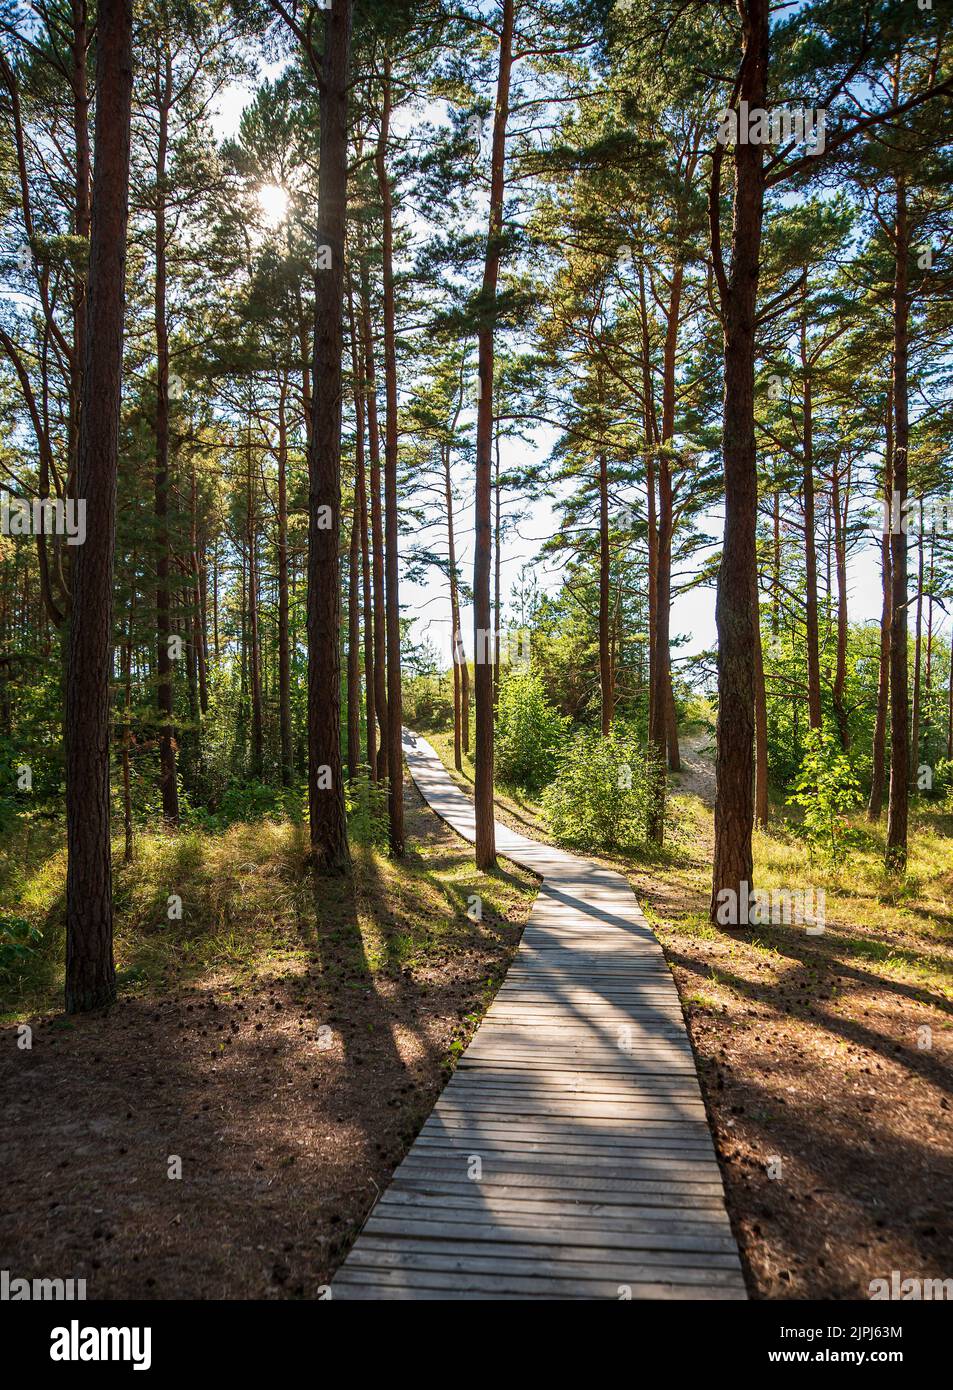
(19, 939)
(366, 803)
(428, 701)
(530, 733)
(599, 797)
(826, 788)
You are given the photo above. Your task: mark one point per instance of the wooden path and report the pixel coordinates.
(569, 1156)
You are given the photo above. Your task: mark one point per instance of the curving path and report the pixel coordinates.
(569, 1156)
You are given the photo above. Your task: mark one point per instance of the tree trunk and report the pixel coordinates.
(497, 536)
(395, 756)
(167, 769)
(127, 731)
(328, 819)
(898, 804)
(483, 670)
(917, 658)
(353, 645)
(457, 652)
(605, 655)
(257, 740)
(79, 83)
(360, 502)
(840, 556)
(284, 642)
(198, 624)
(90, 972)
(666, 529)
(812, 636)
(651, 439)
(377, 525)
(761, 808)
(734, 609)
(878, 772)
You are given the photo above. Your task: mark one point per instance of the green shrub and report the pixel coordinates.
(599, 796)
(428, 701)
(366, 802)
(530, 733)
(826, 788)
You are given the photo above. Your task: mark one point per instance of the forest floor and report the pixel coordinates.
(285, 1050)
(826, 1061)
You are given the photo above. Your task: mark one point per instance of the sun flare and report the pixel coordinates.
(273, 201)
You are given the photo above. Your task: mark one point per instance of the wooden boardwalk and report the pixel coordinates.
(569, 1156)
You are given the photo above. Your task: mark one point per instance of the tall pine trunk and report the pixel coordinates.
(328, 819)
(839, 513)
(812, 636)
(377, 523)
(898, 804)
(360, 503)
(395, 756)
(90, 971)
(353, 645)
(284, 638)
(878, 773)
(482, 647)
(605, 653)
(734, 608)
(257, 737)
(460, 672)
(167, 760)
(917, 706)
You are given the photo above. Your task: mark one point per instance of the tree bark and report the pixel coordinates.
(127, 733)
(761, 807)
(90, 971)
(898, 804)
(878, 773)
(497, 536)
(459, 655)
(328, 818)
(284, 635)
(812, 636)
(840, 559)
(395, 756)
(734, 608)
(198, 614)
(605, 655)
(483, 670)
(353, 645)
(167, 760)
(917, 658)
(360, 502)
(257, 735)
(377, 525)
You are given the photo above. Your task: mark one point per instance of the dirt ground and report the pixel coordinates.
(288, 1100)
(830, 1107)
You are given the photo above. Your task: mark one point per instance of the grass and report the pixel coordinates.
(903, 925)
(238, 902)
